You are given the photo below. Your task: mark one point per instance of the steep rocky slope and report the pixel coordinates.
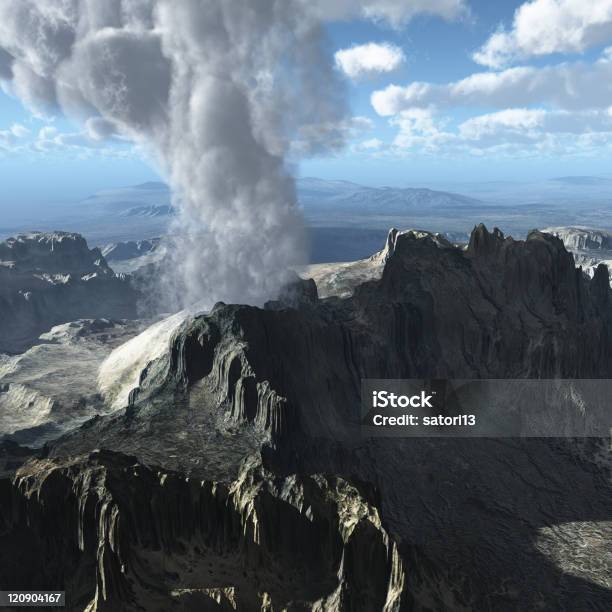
(52, 278)
(250, 408)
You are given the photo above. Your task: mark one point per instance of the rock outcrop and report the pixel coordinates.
(121, 251)
(589, 247)
(250, 406)
(132, 537)
(52, 278)
(582, 238)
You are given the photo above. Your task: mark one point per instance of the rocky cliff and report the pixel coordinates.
(251, 407)
(582, 238)
(589, 247)
(52, 278)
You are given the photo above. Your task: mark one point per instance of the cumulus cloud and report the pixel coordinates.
(80, 143)
(563, 109)
(512, 132)
(421, 130)
(371, 58)
(19, 140)
(511, 119)
(535, 122)
(571, 86)
(542, 27)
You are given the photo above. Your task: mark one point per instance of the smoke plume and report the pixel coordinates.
(216, 91)
(219, 92)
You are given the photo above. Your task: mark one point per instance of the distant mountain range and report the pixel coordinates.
(315, 194)
(153, 199)
(152, 186)
(347, 219)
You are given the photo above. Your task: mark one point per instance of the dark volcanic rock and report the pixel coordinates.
(268, 400)
(52, 278)
(129, 537)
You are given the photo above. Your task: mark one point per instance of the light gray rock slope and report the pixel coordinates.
(590, 247)
(54, 386)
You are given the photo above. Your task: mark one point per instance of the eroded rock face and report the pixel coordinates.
(52, 278)
(132, 537)
(270, 397)
(590, 247)
(582, 238)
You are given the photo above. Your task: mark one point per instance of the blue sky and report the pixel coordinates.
(533, 106)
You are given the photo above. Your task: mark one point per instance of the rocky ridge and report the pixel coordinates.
(51, 278)
(121, 251)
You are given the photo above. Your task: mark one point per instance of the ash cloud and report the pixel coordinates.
(216, 92)
(221, 94)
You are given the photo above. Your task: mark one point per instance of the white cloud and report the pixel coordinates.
(49, 140)
(372, 144)
(361, 60)
(541, 27)
(420, 129)
(536, 122)
(512, 132)
(563, 109)
(80, 143)
(19, 131)
(570, 86)
(511, 119)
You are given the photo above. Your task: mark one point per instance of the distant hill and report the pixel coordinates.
(583, 180)
(152, 186)
(343, 195)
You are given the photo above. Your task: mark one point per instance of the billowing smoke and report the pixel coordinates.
(218, 92)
